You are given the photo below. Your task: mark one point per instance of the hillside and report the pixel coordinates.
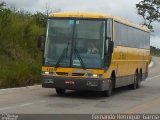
(20, 60)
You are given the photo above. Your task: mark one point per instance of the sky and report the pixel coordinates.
(123, 8)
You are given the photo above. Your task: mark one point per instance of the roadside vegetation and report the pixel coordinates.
(155, 51)
(20, 60)
(149, 10)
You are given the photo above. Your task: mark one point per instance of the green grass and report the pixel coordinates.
(20, 60)
(16, 74)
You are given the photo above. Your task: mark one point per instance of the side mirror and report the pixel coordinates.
(40, 42)
(111, 46)
(108, 45)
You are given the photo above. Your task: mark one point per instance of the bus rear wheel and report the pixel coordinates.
(136, 80)
(139, 80)
(60, 91)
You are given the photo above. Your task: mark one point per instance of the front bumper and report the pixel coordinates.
(89, 84)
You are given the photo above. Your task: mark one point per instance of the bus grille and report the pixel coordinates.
(62, 73)
(67, 74)
(77, 74)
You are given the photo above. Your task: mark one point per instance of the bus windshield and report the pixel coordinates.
(75, 43)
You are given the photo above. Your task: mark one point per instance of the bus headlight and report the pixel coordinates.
(47, 73)
(94, 75)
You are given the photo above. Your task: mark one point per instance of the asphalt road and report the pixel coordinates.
(38, 100)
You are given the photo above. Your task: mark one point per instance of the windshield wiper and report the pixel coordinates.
(61, 57)
(80, 59)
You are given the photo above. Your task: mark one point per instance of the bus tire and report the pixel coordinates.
(139, 79)
(134, 85)
(60, 91)
(108, 92)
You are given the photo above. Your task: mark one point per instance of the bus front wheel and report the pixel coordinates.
(60, 91)
(108, 92)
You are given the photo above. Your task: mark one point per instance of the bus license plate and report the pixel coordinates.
(70, 82)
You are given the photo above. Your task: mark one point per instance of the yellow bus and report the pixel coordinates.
(94, 52)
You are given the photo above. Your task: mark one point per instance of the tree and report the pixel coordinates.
(150, 11)
(40, 19)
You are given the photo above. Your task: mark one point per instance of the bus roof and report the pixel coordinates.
(98, 16)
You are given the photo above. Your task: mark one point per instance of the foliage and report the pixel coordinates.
(150, 11)
(20, 60)
(40, 19)
(155, 51)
